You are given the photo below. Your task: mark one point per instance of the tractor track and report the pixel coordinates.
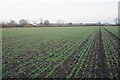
(102, 57)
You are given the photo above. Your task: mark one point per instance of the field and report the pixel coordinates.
(63, 52)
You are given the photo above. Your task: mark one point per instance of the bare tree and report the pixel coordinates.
(46, 23)
(41, 23)
(2, 24)
(41, 20)
(12, 22)
(23, 22)
(117, 20)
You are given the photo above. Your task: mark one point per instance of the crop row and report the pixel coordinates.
(74, 63)
(111, 46)
(87, 54)
(42, 61)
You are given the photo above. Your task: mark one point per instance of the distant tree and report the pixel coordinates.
(117, 20)
(23, 22)
(12, 22)
(2, 24)
(46, 23)
(70, 24)
(41, 22)
(99, 23)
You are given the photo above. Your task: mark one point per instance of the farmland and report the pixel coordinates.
(63, 52)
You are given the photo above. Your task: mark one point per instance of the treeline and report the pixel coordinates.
(46, 23)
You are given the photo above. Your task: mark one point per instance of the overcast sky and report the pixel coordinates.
(53, 10)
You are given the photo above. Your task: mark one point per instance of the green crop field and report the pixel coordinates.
(113, 29)
(60, 52)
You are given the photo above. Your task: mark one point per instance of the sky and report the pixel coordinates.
(76, 11)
